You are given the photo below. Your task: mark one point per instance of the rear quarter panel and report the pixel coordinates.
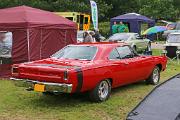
(158, 60)
(93, 75)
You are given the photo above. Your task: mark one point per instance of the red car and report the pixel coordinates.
(93, 67)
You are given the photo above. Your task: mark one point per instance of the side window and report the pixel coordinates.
(114, 55)
(86, 20)
(132, 38)
(125, 52)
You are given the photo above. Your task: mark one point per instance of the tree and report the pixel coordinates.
(159, 9)
(122, 6)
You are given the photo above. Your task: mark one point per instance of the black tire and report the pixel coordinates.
(48, 93)
(95, 93)
(154, 77)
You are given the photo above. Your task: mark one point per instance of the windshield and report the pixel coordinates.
(120, 37)
(174, 38)
(80, 35)
(178, 26)
(76, 52)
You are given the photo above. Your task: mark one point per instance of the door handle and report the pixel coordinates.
(126, 63)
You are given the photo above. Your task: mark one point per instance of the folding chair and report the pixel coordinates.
(164, 52)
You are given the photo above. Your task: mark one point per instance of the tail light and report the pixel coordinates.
(65, 75)
(15, 70)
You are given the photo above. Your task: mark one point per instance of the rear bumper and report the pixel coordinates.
(49, 87)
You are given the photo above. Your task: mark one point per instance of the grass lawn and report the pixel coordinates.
(19, 104)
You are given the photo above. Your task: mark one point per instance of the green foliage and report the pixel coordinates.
(104, 28)
(158, 9)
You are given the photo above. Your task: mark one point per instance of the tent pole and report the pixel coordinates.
(28, 44)
(41, 45)
(65, 38)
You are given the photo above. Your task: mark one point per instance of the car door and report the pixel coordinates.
(118, 68)
(135, 64)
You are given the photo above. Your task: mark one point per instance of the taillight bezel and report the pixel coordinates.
(66, 75)
(15, 70)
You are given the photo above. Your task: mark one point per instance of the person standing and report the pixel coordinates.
(121, 27)
(114, 28)
(97, 36)
(87, 37)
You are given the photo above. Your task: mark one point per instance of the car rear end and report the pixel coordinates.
(45, 77)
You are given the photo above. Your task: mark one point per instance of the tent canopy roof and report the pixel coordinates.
(24, 17)
(132, 16)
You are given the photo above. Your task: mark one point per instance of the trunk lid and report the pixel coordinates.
(49, 70)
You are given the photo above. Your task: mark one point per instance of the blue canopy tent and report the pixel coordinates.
(134, 21)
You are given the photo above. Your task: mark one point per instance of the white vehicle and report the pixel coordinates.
(176, 30)
(80, 36)
(172, 44)
(137, 42)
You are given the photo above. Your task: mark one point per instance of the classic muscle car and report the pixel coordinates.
(93, 67)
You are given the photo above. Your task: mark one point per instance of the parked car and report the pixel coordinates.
(172, 44)
(177, 29)
(80, 36)
(134, 40)
(93, 67)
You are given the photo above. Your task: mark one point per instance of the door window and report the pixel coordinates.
(70, 18)
(125, 52)
(114, 55)
(5, 47)
(86, 20)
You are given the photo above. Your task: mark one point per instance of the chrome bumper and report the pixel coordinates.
(49, 87)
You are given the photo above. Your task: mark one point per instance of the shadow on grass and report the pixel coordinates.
(74, 100)
(129, 86)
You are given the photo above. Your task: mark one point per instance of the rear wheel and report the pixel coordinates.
(101, 92)
(154, 77)
(48, 93)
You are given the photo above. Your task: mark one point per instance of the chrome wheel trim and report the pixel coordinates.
(156, 75)
(103, 90)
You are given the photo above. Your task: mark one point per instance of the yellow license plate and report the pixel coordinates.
(39, 88)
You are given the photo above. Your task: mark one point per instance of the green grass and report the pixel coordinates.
(19, 104)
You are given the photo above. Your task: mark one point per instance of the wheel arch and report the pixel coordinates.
(111, 80)
(160, 66)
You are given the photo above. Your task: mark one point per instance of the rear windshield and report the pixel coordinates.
(119, 37)
(76, 52)
(80, 35)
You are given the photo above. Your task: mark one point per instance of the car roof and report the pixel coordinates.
(175, 33)
(102, 44)
(126, 33)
